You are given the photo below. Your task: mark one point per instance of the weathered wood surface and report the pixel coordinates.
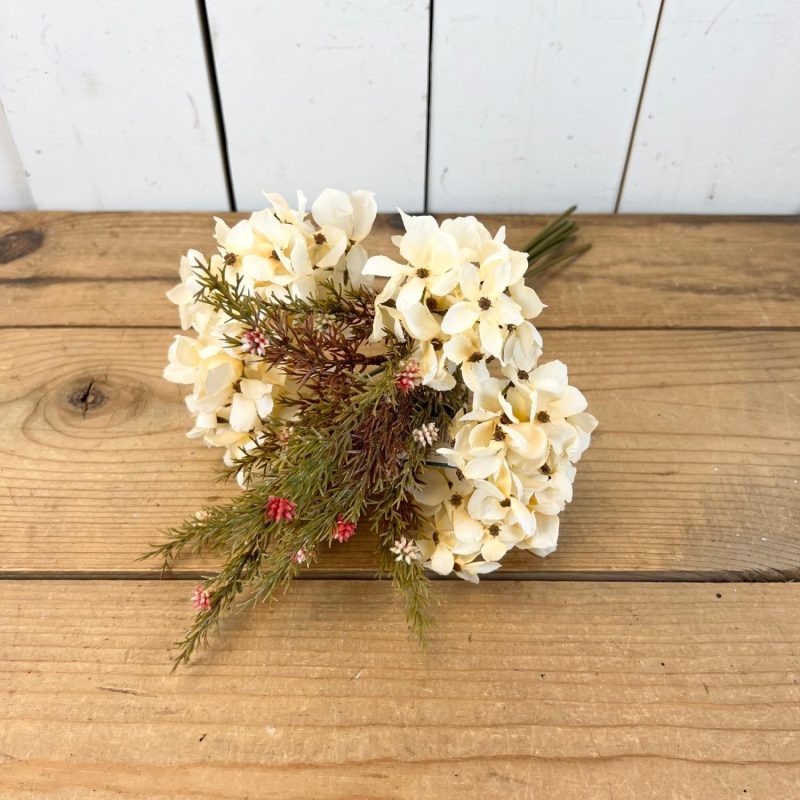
(685, 335)
(113, 269)
(528, 690)
(694, 468)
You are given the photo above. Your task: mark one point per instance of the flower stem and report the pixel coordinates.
(551, 245)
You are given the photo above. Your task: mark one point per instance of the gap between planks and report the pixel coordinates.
(567, 328)
(721, 577)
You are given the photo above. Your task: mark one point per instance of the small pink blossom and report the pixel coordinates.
(301, 556)
(280, 508)
(254, 342)
(201, 599)
(407, 378)
(427, 434)
(343, 530)
(405, 550)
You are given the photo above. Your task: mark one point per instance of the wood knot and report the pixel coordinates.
(87, 397)
(19, 244)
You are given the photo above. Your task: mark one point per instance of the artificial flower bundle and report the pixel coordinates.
(399, 398)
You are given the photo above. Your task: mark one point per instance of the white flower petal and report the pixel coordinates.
(382, 266)
(355, 260)
(493, 549)
(496, 279)
(243, 413)
(491, 336)
(465, 528)
(527, 299)
(333, 207)
(443, 284)
(505, 310)
(415, 246)
(364, 212)
(545, 539)
(470, 281)
(432, 489)
(571, 402)
(411, 293)
(460, 317)
(482, 467)
(442, 560)
(420, 322)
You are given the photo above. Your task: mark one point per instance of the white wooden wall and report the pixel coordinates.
(533, 103)
(481, 105)
(108, 105)
(719, 129)
(323, 93)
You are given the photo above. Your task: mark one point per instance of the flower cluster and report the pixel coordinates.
(278, 253)
(417, 409)
(459, 296)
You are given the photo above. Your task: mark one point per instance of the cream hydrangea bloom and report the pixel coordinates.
(276, 252)
(460, 295)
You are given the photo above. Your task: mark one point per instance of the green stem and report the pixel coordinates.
(551, 246)
(545, 232)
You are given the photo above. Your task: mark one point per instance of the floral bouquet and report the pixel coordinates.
(396, 398)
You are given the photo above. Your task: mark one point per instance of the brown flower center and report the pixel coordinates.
(484, 303)
(543, 416)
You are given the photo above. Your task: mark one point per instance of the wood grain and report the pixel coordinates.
(113, 269)
(608, 691)
(693, 471)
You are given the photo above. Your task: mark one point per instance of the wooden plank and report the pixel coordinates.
(109, 110)
(693, 471)
(113, 269)
(720, 117)
(573, 690)
(539, 115)
(337, 98)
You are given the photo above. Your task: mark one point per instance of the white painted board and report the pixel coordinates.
(324, 93)
(533, 103)
(109, 104)
(719, 129)
(14, 192)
